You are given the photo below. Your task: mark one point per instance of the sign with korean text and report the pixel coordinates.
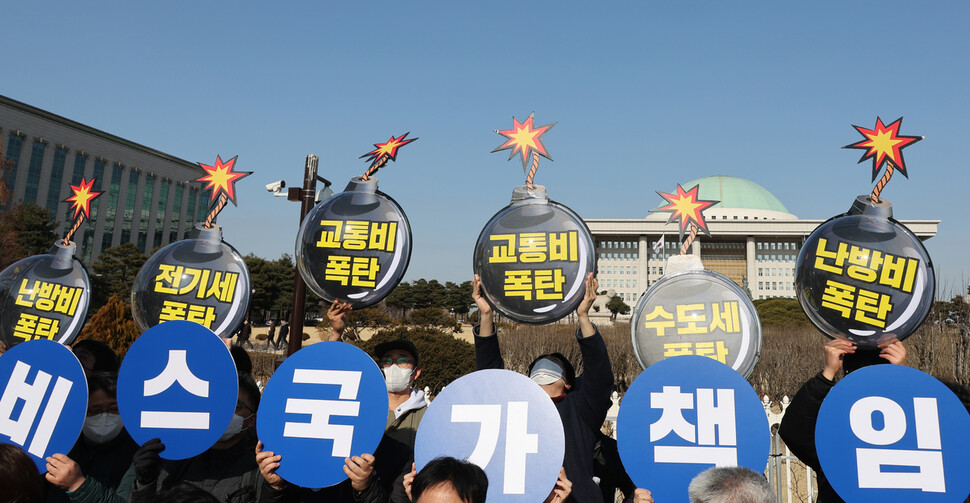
(203, 280)
(533, 257)
(325, 403)
(503, 422)
(44, 297)
(44, 399)
(697, 312)
(686, 414)
(893, 433)
(865, 278)
(354, 246)
(178, 383)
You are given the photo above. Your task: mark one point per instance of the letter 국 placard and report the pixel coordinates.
(325, 403)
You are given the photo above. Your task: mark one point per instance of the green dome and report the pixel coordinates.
(733, 192)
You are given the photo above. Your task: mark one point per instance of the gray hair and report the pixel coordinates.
(730, 484)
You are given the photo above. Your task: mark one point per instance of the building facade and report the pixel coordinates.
(754, 241)
(149, 198)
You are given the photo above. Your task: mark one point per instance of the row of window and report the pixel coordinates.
(776, 271)
(775, 285)
(112, 188)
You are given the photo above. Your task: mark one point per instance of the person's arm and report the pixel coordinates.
(894, 352)
(797, 427)
(597, 370)
(147, 465)
(337, 314)
(488, 355)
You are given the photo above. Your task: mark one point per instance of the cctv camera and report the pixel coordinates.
(276, 186)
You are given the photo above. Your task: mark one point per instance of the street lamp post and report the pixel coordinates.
(306, 197)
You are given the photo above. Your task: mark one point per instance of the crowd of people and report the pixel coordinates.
(107, 466)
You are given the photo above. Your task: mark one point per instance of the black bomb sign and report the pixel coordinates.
(865, 277)
(696, 312)
(533, 257)
(354, 246)
(44, 297)
(203, 280)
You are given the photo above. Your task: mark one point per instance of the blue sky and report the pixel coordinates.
(646, 95)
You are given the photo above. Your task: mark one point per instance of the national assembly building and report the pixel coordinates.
(754, 241)
(149, 198)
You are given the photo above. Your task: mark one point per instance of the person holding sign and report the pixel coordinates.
(798, 426)
(228, 470)
(582, 405)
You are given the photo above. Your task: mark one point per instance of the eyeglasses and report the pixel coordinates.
(94, 411)
(240, 406)
(400, 362)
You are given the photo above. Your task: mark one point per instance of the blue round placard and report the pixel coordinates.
(503, 422)
(178, 383)
(893, 433)
(325, 403)
(44, 399)
(683, 415)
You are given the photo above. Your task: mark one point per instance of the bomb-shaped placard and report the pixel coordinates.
(693, 311)
(862, 275)
(355, 245)
(204, 280)
(865, 277)
(44, 297)
(533, 257)
(201, 279)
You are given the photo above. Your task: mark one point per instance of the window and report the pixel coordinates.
(190, 208)
(14, 144)
(111, 211)
(129, 215)
(761, 285)
(173, 224)
(760, 272)
(98, 176)
(160, 213)
(57, 176)
(33, 171)
(146, 210)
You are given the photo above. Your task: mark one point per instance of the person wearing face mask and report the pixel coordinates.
(95, 467)
(582, 402)
(398, 360)
(227, 470)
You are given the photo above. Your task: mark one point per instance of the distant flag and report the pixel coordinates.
(659, 245)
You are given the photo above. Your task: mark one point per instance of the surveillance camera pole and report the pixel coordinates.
(305, 196)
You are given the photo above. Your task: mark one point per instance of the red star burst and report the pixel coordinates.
(523, 139)
(685, 207)
(882, 144)
(81, 197)
(221, 178)
(387, 149)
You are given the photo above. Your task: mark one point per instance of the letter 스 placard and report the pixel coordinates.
(203, 280)
(533, 257)
(325, 403)
(893, 433)
(44, 297)
(503, 422)
(683, 415)
(354, 246)
(178, 383)
(44, 399)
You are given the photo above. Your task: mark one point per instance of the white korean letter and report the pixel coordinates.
(490, 417)
(320, 410)
(33, 396)
(518, 443)
(176, 371)
(672, 402)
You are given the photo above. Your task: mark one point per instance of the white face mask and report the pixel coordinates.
(235, 426)
(397, 379)
(102, 428)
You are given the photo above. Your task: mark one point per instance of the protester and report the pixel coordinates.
(398, 360)
(19, 480)
(228, 470)
(582, 404)
(94, 470)
(730, 484)
(798, 425)
(447, 480)
(95, 356)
